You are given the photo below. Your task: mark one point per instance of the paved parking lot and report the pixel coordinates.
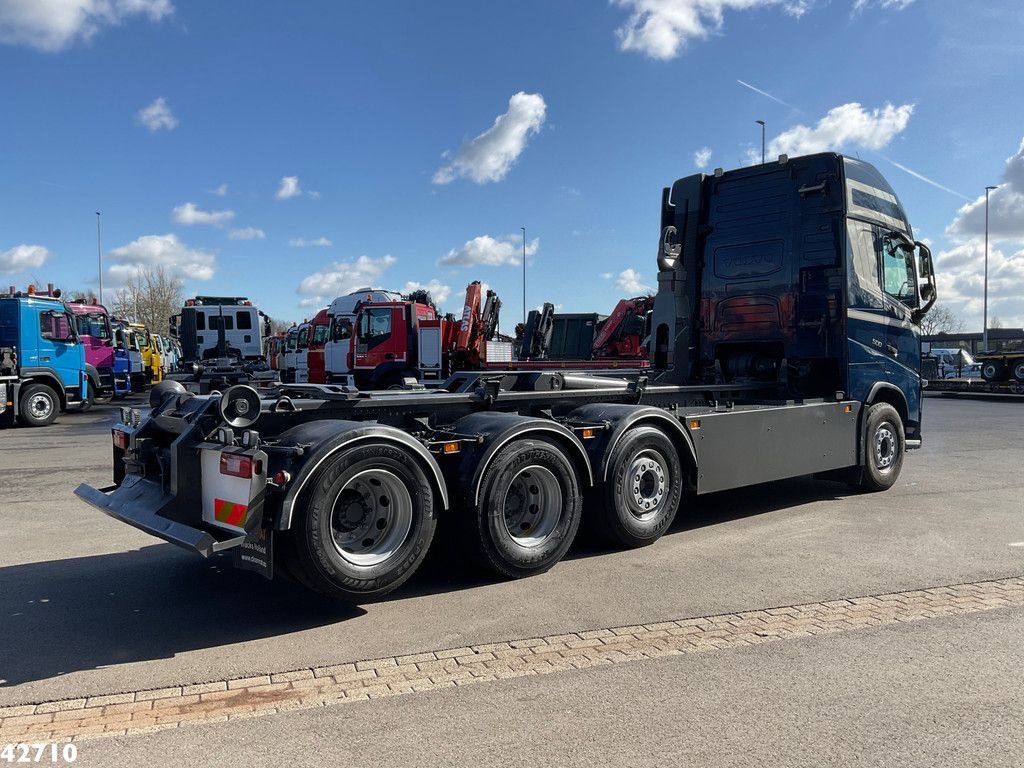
(91, 607)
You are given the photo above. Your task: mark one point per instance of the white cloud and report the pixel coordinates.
(661, 28)
(845, 126)
(629, 281)
(702, 157)
(220, 191)
(898, 5)
(960, 270)
(439, 292)
(301, 242)
(960, 274)
(22, 257)
(488, 251)
(167, 251)
(1005, 207)
(491, 155)
(343, 277)
(189, 214)
(51, 25)
(247, 233)
(288, 188)
(157, 116)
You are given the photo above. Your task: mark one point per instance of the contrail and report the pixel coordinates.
(925, 179)
(765, 93)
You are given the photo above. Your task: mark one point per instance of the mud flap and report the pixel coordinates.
(256, 553)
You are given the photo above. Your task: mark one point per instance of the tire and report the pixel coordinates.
(644, 488)
(531, 488)
(38, 406)
(366, 525)
(992, 370)
(884, 447)
(1018, 371)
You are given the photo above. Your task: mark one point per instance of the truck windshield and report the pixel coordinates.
(375, 322)
(95, 325)
(320, 334)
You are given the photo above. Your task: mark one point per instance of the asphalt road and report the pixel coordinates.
(91, 606)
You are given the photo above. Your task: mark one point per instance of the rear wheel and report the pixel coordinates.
(366, 526)
(38, 406)
(884, 447)
(529, 510)
(644, 487)
(1018, 371)
(992, 370)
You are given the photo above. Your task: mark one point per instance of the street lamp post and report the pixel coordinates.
(761, 123)
(99, 255)
(984, 329)
(524, 275)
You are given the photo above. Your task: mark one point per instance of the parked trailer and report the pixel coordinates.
(785, 342)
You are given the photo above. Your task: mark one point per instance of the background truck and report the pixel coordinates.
(92, 321)
(42, 362)
(342, 315)
(1001, 366)
(785, 341)
(222, 343)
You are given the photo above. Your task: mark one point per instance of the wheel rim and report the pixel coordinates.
(646, 481)
(371, 517)
(989, 371)
(886, 446)
(533, 506)
(1018, 372)
(40, 406)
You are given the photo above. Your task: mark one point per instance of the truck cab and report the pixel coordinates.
(386, 347)
(342, 314)
(92, 321)
(122, 345)
(320, 332)
(299, 362)
(42, 360)
(151, 364)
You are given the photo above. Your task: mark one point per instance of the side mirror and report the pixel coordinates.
(927, 289)
(669, 251)
(927, 292)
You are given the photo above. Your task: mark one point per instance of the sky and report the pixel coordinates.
(293, 152)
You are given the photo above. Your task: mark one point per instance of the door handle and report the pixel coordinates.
(389, 356)
(891, 350)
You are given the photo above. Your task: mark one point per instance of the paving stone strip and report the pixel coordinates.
(146, 711)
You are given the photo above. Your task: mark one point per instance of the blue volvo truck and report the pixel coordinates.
(42, 361)
(784, 341)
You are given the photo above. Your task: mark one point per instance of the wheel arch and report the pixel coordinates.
(333, 437)
(884, 392)
(620, 418)
(499, 429)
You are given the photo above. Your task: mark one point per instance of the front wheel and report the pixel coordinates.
(1018, 371)
(884, 447)
(529, 510)
(645, 485)
(38, 406)
(366, 526)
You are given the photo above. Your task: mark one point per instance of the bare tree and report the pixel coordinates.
(995, 322)
(941, 319)
(150, 298)
(279, 326)
(88, 296)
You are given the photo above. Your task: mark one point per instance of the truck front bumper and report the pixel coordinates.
(133, 503)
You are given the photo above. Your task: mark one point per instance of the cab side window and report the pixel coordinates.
(898, 278)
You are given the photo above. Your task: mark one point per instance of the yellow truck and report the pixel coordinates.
(151, 362)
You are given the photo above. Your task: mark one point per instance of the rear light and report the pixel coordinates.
(120, 439)
(235, 465)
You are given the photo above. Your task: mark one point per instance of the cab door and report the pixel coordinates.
(60, 350)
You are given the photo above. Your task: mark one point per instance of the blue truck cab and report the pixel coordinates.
(42, 361)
